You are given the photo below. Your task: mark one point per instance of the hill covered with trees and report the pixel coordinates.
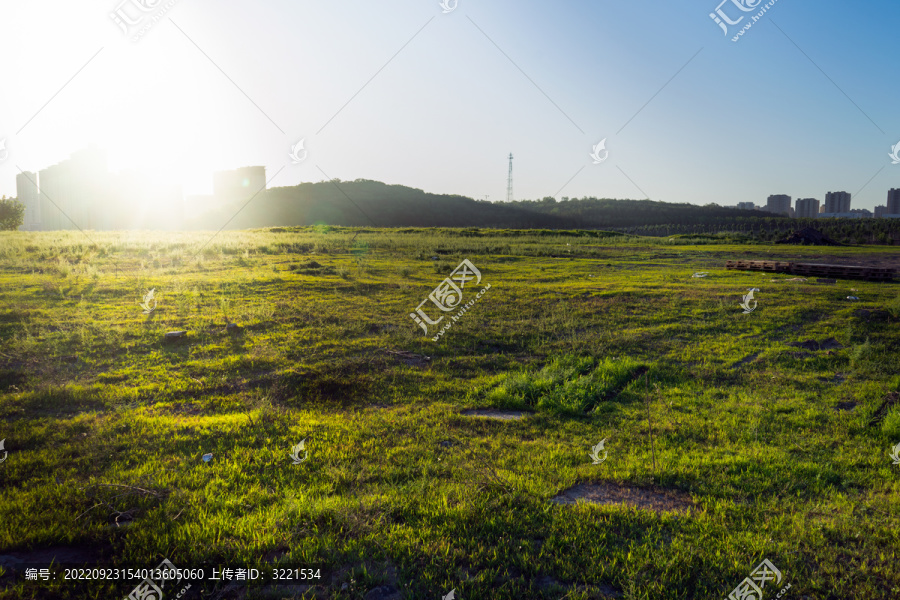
(372, 203)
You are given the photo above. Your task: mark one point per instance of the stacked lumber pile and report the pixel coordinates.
(813, 269)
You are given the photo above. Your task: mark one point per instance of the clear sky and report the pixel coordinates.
(399, 91)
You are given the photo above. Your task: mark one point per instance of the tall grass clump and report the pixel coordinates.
(893, 307)
(568, 385)
(891, 425)
(868, 358)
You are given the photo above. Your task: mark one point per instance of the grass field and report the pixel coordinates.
(726, 444)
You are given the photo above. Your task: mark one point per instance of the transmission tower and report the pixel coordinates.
(509, 193)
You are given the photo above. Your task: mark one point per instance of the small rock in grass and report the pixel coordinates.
(175, 335)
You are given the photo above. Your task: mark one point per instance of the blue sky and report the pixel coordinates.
(398, 91)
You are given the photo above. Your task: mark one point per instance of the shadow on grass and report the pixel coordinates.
(52, 401)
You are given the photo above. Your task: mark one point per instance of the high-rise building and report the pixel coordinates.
(746, 206)
(239, 185)
(879, 211)
(893, 202)
(837, 202)
(779, 204)
(81, 193)
(73, 193)
(28, 194)
(807, 208)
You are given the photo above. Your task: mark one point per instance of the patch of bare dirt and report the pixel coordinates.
(808, 235)
(384, 592)
(408, 358)
(871, 315)
(493, 413)
(813, 345)
(884, 261)
(890, 400)
(654, 498)
(745, 360)
(63, 555)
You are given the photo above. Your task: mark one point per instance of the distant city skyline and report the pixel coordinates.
(802, 104)
(82, 193)
(836, 204)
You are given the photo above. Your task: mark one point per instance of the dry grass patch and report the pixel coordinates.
(657, 499)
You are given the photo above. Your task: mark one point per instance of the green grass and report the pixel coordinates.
(569, 385)
(400, 488)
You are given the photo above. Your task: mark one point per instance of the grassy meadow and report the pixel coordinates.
(760, 448)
